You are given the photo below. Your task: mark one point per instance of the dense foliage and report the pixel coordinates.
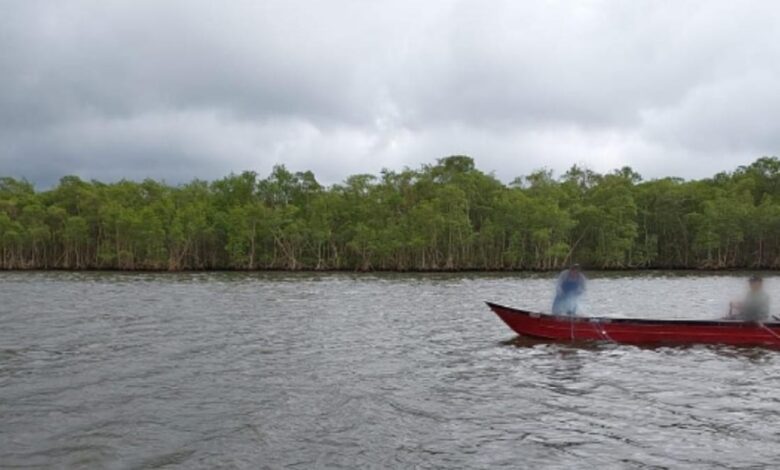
(440, 217)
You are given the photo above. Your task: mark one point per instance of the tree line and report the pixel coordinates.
(444, 216)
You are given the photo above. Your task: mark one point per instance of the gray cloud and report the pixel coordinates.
(183, 89)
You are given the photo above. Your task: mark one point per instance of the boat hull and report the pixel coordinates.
(635, 331)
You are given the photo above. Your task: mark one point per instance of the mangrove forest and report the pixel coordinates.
(443, 216)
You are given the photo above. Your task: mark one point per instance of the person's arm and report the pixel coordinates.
(583, 283)
(733, 310)
(764, 307)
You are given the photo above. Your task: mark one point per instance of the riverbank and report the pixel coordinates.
(444, 217)
(392, 271)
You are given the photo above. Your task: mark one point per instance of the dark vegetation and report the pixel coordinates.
(447, 216)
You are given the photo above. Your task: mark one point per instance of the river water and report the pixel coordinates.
(226, 370)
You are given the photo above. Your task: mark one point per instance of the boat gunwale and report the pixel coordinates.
(640, 321)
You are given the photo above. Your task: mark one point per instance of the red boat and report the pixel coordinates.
(638, 331)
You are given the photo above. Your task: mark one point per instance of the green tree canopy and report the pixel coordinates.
(448, 215)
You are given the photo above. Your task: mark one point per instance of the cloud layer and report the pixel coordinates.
(184, 89)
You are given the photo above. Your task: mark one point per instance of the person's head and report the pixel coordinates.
(755, 283)
(574, 268)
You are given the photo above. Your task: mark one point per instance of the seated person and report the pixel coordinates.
(755, 307)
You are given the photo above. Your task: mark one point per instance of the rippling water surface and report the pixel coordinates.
(103, 370)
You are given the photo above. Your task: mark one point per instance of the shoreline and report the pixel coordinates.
(389, 271)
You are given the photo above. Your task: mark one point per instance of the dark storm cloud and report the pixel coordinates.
(187, 89)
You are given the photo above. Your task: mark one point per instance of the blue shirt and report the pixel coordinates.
(569, 284)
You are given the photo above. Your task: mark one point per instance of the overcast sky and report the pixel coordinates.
(181, 89)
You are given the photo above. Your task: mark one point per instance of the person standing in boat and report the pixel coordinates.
(569, 289)
(755, 307)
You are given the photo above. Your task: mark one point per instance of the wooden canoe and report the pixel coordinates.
(638, 331)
